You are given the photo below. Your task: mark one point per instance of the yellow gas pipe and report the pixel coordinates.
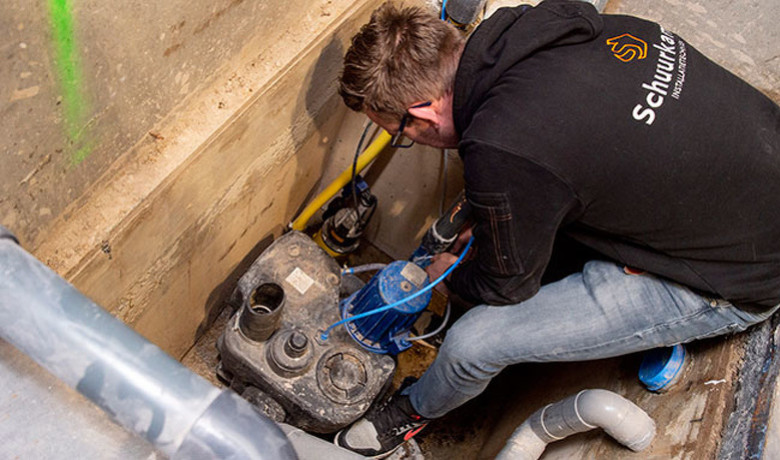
(363, 160)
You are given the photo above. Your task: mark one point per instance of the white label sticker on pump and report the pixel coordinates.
(414, 273)
(300, 280)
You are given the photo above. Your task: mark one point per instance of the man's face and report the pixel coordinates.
(437, 130)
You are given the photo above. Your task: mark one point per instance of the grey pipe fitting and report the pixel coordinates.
(314, 448)
(140, 386)
(588, 409)
(231, 428)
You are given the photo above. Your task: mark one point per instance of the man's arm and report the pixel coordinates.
(518, 207)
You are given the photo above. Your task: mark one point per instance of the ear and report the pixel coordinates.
(427, 112)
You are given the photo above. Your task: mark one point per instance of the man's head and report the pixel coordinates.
(401, 60)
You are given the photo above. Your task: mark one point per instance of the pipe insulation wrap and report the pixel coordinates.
(139, 385)
(464, 11)
(588, 409)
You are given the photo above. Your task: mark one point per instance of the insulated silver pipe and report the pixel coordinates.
(140, 386)
(464, 11)
(588, 409)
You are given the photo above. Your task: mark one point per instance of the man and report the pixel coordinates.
(609, 131)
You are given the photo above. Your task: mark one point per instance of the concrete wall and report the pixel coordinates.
(147, 149)
(84, 81)
(740, 36)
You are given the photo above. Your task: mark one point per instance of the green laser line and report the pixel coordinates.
(70, 77)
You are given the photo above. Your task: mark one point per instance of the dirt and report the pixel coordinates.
(202, 358)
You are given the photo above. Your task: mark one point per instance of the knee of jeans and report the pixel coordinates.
(463, 348)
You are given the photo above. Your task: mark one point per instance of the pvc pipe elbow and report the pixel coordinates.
(619, 417)
(588, 409)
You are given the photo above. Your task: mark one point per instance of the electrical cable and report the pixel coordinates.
(438, 329)
(361, 221)
(445, 157)
(354, 166)
(444, 10)
(326, 332)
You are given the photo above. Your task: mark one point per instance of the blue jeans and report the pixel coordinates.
(599, 313)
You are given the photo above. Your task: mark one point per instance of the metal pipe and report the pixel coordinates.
(463, 11)
(139, 385)
(588, 409)
(362, 268)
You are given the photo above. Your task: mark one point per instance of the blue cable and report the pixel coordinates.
(443, 10)
(324, 335)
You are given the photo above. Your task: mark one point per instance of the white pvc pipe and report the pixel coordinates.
(588, 409)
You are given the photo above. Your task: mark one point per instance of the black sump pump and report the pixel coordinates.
(270, 351)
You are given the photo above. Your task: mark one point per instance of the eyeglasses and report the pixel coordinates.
(398, 138)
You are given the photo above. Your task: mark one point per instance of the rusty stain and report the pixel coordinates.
(157, 136)
(177, 27)
(205, 24)
(172, 49)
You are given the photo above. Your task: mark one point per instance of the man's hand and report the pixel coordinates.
(439, 264)
(463, 238)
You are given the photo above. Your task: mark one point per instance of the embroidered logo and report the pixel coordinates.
(626, 47)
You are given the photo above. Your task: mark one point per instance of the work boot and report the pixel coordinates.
(382, 431)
